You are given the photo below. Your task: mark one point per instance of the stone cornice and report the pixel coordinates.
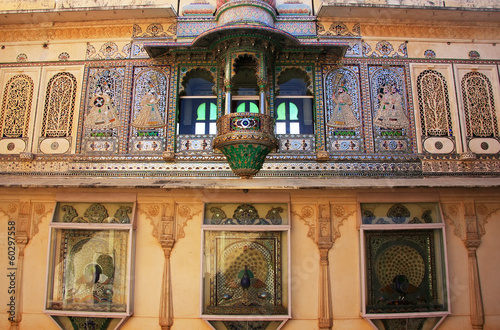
(74, 30)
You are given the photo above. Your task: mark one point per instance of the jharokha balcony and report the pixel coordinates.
(245, 139)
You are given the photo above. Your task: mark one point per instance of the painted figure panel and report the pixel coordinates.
(389, 108)
(343, 109)
(103, 106)
(150, 95)
(343, 99)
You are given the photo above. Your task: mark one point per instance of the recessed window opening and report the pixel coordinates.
(245, 91)
(198, 104)
(294, 103)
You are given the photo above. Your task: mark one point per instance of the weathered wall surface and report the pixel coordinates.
(421, 3)
(16, 5)
(344, 256)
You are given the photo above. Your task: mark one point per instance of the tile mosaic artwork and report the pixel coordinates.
(362, 106)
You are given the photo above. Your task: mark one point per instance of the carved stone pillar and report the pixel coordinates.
(167, 241)
(325, 243)
(29, 216)
(167, 229)
(324, 230)
(262, 96)
(472, 242)
(22, 239)
(227, 107)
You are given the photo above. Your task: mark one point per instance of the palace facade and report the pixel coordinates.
(249, 164)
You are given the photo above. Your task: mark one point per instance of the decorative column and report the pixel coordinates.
(167, 229)
(472, 242)
(167, 241)
(22, 238)
(324, 230)
(325, 243)
(26, 228)
(262, 96)
(227, 85)
(470, 232)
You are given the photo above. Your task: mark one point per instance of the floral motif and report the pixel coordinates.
(384, 48)
(430, 54)
(474, 55)
(63, 56)
(22, 57)
(109, 49)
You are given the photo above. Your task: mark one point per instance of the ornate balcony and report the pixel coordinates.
(245, 139)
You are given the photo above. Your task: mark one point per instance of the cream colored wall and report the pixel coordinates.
(16, 5)
(51, 4)
(26, 4)
(185, 259)
(4, 282)
(422, 3)
(489, 263)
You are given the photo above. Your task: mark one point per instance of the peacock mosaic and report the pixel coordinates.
(404, 268)
(245, 270)
(91, 257)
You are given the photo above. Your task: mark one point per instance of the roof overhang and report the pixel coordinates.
(38, 16)
(369, 11)
(145, 182)
(280, 39)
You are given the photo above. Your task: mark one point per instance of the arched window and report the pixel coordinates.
(435, 115)
(244, 89)
(294, 103)
(16, 107)
(247, 106)
(479, 106)
(198, 108)
(59, 105)
(206, 115)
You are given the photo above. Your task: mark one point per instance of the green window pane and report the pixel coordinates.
(241, 108)
(201, 112)
(213, 111)
(281, 111)
(294, 112)
(254, 108)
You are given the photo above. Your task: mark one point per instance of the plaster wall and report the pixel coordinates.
(15, 5)
(5, 282)
(19, 5)
(421, 3)
(344, 257)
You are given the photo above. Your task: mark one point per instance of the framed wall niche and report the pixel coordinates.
(404, 264)
(245, 265)
(91, 259)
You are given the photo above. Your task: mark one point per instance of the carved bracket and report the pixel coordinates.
(324, 228)
(469, 221)
(307, 215)
(186, 213)
(468, 218)
(452, 212)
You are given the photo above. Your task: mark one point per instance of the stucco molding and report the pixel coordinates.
(151, 212)
(186, 213)
(306, 214)
(9, 209)
(341, 213)
(40, 212)
(452, 213)
(484, 213)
